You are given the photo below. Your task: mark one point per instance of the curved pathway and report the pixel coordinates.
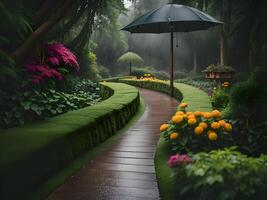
(125, 170)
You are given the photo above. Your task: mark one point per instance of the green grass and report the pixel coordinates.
(33, 153)
(198, 100)
(67, 172)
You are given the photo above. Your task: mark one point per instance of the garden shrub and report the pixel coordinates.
(161, 75)
(140, 72)
(179, 74)
(220, 174)
(103, 71)
(32, 105)
(219, 98)
(248, 109)
(204, 85)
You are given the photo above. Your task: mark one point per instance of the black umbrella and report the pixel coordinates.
(172, 18)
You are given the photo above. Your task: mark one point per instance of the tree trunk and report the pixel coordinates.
(222, 35)
(194, 60)
(40, 32)
(222, 47)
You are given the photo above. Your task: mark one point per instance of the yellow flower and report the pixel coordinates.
(177, 119)
(164, 127)
(212, 136)
(222, 122)
(183, 105)
(198, 113)
(199, 130)
(215, 125)
(179, 113)
(228, 127)
(207, 115)
(174, 136)
(216, 113)
(203, 125)
(192, 121)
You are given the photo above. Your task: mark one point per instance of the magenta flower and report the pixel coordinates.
(40, 72)
(64, 55)
(178, 159)
(53, 60)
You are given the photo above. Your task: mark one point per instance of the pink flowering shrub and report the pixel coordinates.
(179, 159)
(59, 54)
(57, 57)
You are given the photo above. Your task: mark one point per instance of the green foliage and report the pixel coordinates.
(179, 75)
(219, 98)
(204, 85)
(248, 110)
(162, 75)
(222, 174)
(140, 72)
(103, 71)
(33, 105)
(219, 68)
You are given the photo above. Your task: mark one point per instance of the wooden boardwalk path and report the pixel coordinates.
(125, 171)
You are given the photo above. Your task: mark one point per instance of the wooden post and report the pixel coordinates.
(171, 62)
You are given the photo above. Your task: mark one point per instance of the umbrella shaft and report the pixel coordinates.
(171, 63)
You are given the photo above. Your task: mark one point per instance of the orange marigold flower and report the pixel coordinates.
(192, 121)
(207, 115)
(164, 127)
(183, 105)
(177, 119)
(179, 113)
(212, 136)
(216, 113)
(228, 127)
(191, 116)
(204, 125)
(174, 136)
(198, 113)
(215, 125)
(199, 130)
(189, 113)
(222, 122)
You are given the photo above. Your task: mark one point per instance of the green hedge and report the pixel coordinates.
(198, 100)
(33, 153)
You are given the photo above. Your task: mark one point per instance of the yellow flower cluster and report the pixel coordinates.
(201, 123)
(225, 84)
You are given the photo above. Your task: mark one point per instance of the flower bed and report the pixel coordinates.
(195, 158)
(44, 148)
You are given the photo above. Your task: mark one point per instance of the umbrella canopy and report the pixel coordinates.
(172, 18)
(183, 19)
(130, 58)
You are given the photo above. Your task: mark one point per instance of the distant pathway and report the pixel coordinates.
(125, 171)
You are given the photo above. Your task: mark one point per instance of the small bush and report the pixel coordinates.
(219, 98)
(103, 71)
(222, 174)
(161, 75)
(140, 72)
(179, 75)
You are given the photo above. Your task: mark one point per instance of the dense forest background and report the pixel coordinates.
(91, 29)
